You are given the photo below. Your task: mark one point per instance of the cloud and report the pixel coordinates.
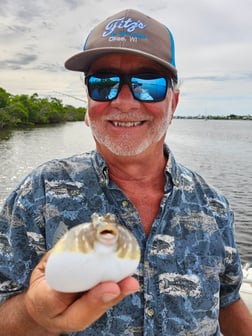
(222, 78)
(50, 67)
(73, 4)
(212, 38)
(18, 62)
(23, 11)
(18, 29)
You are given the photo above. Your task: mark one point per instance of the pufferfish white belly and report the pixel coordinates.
(91, 253)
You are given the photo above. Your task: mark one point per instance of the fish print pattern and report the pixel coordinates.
(189, 264)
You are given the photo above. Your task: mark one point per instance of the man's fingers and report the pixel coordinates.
(94, 303)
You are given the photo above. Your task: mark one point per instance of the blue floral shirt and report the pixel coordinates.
(190, 265)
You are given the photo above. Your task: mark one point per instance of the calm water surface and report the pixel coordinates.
(221, 151)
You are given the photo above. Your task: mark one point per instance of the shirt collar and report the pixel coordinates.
(175, 173)
(100, 167)
(180, 175)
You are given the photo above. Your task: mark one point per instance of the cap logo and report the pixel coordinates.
(129, 24)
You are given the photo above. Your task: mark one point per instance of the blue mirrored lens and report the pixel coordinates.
(144, 87)
(148, 87)
(103, 88)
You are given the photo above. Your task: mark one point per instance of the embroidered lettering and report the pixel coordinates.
(121, 23)
(133, 39)
(117, 38)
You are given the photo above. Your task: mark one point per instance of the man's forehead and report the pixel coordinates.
(127, 61)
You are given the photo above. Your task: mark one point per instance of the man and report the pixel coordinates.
(189, 275)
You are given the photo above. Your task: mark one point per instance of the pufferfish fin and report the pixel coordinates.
(60, 231)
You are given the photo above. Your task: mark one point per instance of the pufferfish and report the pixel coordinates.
(90, 253)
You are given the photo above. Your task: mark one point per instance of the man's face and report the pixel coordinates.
(126, 126)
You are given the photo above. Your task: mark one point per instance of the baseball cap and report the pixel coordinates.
(128, 31)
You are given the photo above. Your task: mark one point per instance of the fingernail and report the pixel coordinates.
(109, 297)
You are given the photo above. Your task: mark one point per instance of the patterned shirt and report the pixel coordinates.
(189, 266)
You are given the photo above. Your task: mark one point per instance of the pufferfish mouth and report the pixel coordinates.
(107, 235)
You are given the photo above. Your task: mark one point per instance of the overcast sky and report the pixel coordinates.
(213, 40)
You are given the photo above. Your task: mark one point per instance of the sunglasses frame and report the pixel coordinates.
(127, 79)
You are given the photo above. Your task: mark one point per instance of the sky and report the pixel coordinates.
(213, 40)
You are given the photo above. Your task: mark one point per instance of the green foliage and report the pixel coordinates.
(31, 110)
(4, 98)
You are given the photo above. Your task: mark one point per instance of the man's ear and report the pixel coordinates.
(175, 100)
(86, 119)
(174, 103)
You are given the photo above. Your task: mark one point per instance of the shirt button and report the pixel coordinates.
(125, 203)
(149, 312)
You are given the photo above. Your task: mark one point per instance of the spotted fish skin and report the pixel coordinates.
(90, 253)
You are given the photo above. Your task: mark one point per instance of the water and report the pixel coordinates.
(221, 151)
(24, 149)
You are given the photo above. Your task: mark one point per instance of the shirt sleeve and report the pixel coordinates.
(21, 237)
(231, 276)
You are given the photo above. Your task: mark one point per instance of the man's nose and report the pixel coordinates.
(125, 97)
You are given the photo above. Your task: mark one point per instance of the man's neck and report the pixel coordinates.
(142, 168)
(142, 179)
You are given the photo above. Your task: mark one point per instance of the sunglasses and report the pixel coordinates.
(147, 87)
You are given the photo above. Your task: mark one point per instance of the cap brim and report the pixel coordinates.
(83, 60)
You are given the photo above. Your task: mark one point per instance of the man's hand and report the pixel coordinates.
(48, 312)
(236, 319)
